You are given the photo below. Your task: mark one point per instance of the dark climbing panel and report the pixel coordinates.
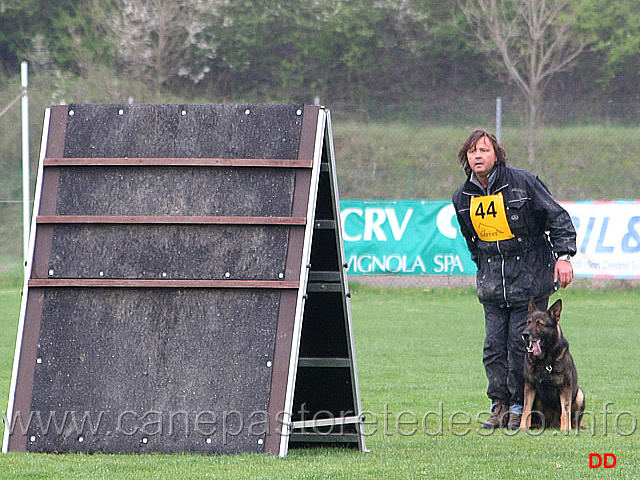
(184, 295)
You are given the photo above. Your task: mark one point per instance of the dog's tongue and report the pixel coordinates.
(536, 348)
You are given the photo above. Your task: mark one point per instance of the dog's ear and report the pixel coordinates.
(532, 305)
(555, 310)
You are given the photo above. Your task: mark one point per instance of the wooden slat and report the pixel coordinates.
(321, 438)
(148, 283)
(324, 287)
(324, 224)
(170, 219)
(318, 276)
(329, 362)
(177, 162)
(327, 422)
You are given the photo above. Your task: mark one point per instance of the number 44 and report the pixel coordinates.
(491, 210)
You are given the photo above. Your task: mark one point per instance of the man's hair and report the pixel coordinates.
(501, 155)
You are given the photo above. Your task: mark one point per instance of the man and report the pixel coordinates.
(522, 242)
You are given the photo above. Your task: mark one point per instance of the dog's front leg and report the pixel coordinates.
(529, 397)
(565, 406)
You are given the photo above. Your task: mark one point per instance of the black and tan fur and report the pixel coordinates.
(552, 397)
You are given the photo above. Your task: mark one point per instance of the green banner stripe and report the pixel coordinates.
(403, 237)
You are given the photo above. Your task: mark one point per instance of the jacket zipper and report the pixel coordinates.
(504, 282)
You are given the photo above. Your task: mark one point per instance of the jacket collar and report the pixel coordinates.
(497, 182)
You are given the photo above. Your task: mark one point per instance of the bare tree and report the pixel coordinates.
(533, 40)
(154, 38)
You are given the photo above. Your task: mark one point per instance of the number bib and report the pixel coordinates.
(489, 218)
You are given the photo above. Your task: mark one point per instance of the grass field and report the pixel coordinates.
(422, 386)
(576, 163)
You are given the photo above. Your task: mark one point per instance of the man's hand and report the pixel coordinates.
(563, 273)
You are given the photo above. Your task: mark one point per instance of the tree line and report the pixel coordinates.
(355, 51)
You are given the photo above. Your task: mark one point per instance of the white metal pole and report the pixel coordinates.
(498, 118)
(26, 196)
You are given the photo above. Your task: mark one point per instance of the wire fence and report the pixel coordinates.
(12, 212)
(471, 111)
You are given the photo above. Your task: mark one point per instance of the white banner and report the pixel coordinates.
(608, 239)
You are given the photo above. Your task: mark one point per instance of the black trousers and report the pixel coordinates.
(504, 351)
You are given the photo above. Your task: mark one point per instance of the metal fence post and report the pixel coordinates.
(498, 118)
(26, 196)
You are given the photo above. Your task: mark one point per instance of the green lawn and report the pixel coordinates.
(397, 160)
(422, 386)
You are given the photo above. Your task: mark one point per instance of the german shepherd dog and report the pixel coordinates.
(551, 392)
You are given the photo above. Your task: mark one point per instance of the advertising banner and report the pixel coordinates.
(421, 237)
(403, 237)
(608, 238)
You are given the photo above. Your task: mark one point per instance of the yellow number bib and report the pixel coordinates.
(489, 218)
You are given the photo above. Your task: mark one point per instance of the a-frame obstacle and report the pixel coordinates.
(187, 288)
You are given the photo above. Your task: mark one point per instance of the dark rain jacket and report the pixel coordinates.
(511, 271)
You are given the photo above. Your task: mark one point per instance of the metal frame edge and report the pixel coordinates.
(343, 272)
(304, 277)
(25, 289)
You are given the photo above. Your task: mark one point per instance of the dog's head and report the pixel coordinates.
(542, 330)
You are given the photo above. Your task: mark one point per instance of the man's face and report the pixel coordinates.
(481, 158)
